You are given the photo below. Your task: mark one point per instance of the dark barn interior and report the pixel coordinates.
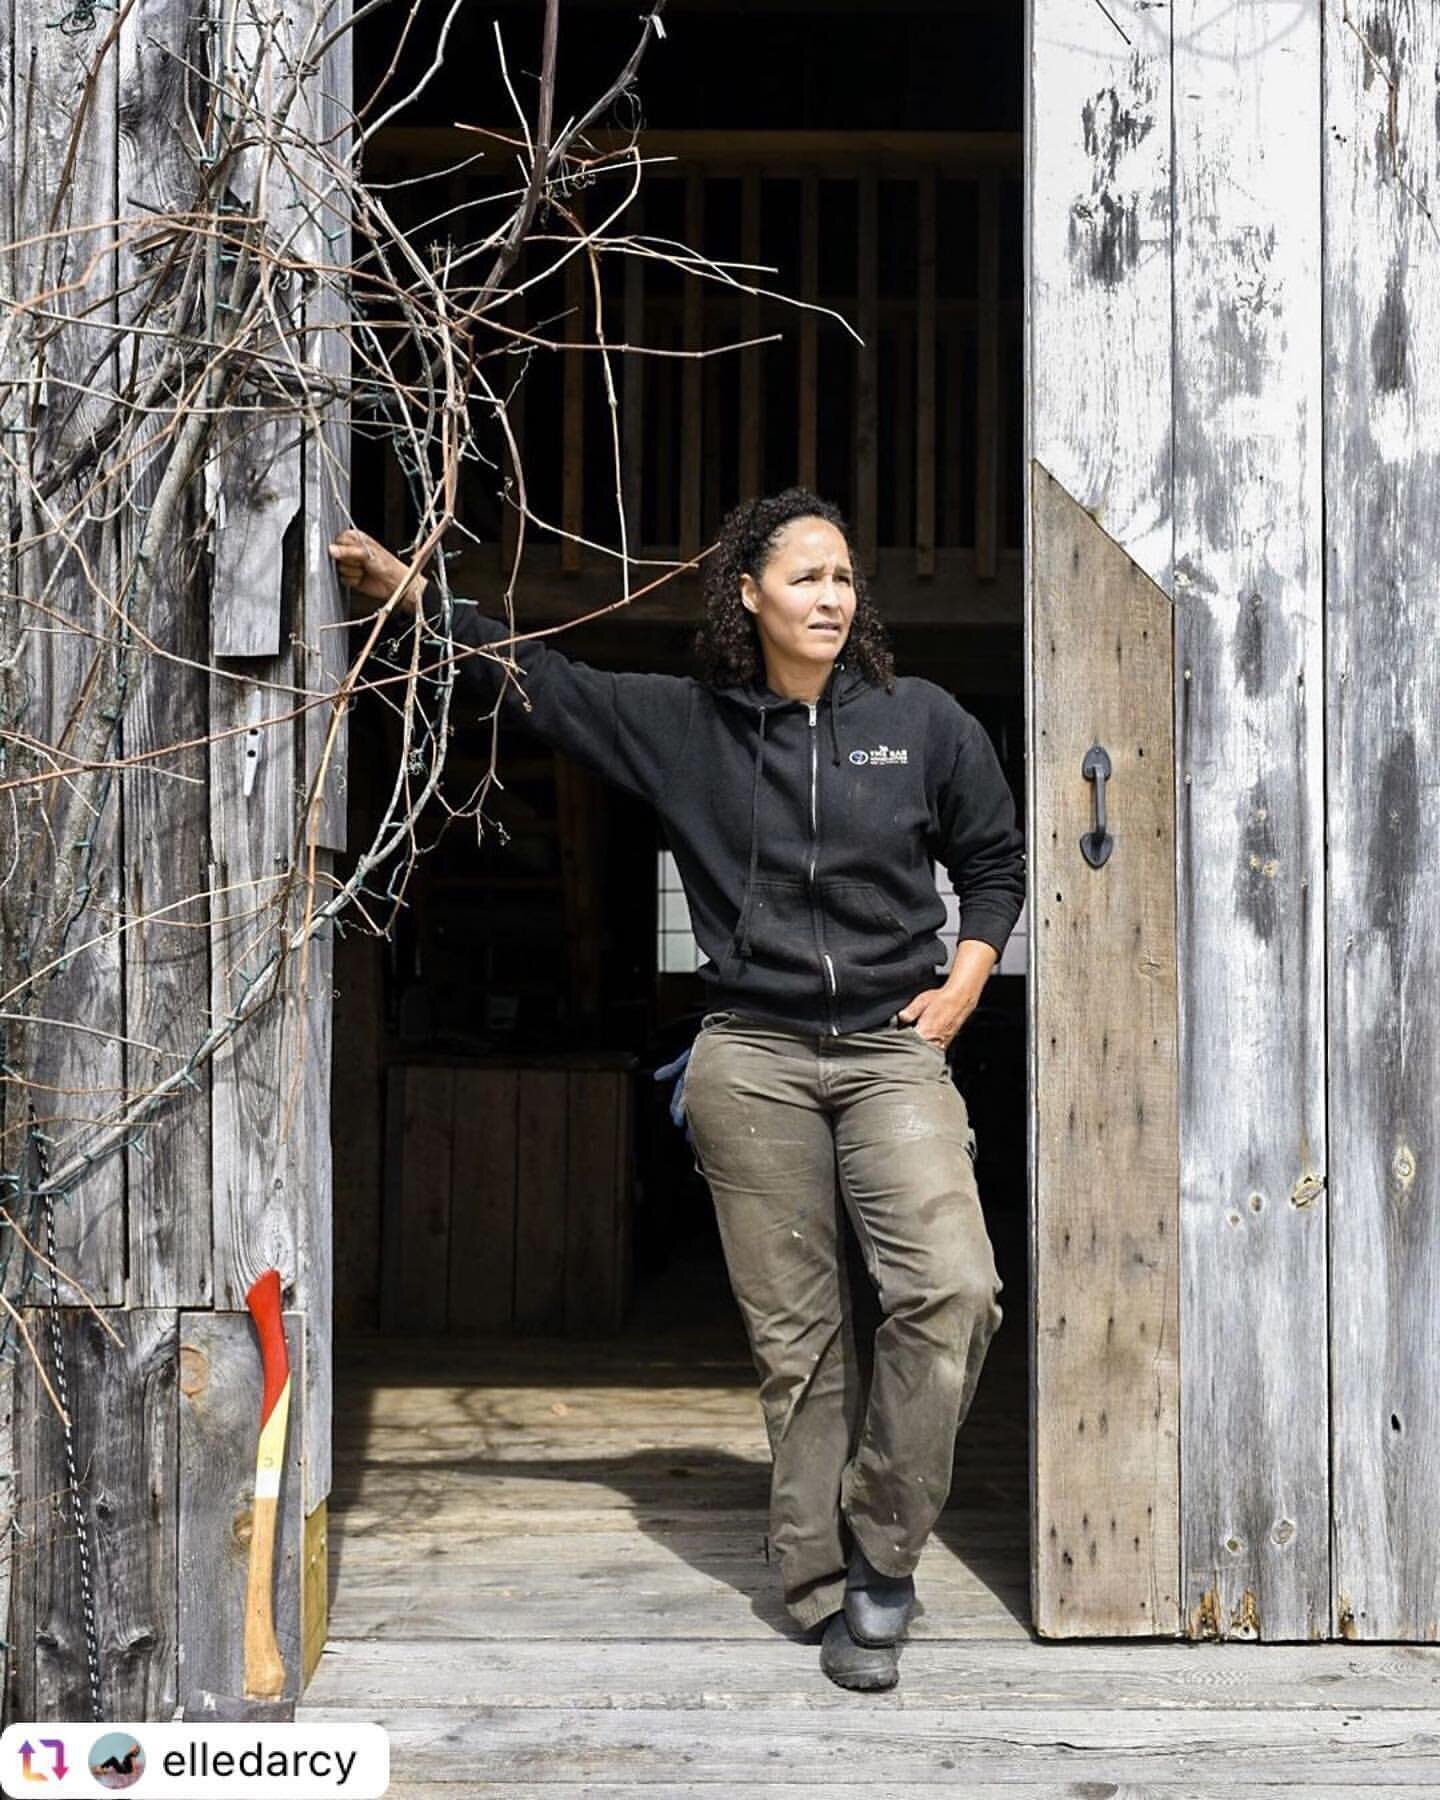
(506, 1170)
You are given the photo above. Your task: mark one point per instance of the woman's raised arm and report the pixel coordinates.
(629, 727)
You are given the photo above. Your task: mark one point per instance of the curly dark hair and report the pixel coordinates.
(727, 642)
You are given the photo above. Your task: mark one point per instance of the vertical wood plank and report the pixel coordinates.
(1382, 700)
(867, 317)
(254, 483)
(808, 408)
(34, 1515)
(987, 387)
(692, 430)
(252, 1142)
(12, 906)
(253, 479)
(752, 442)
(1104, 1304)
(925, 376)
(1097, 384)
(393, 1199)
(1247, 577)
(220, 1391)
(259, 1148)
(164, 798)
(14, 1443)
(592, 1302)
(310, 1007)
(358, 1108)
(328, 99)
(63, 143)
(541, 1162)
(314, 1592)
(482, 1208)
(122, 1402)
(324, 117)
(624, 1197)
(582, 807)
(416, 1250)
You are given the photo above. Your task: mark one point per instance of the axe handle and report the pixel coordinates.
(264, 1666)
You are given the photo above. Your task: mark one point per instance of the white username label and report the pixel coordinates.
(201, 1761)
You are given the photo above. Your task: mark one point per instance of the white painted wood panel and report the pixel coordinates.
(1247, 589)
(1382, 700)
(1097, 261)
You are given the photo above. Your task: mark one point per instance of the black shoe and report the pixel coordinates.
(878, 1607)
(852, 1665)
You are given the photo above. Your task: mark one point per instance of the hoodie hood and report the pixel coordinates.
(843, 685)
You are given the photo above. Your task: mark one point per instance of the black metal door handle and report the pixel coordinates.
(1096, 845)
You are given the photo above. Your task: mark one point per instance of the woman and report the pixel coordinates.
(806, 792)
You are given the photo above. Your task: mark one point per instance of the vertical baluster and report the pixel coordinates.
(867, 321)
(751, 445)
(507, 376)
(632, 390)
(925, 376)
(692, 419)
(664, 387)
(987, 397)
(572, 432)
(808, 407)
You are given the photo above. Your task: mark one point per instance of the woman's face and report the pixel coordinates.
(804, 597)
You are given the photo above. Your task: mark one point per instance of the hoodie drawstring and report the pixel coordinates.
(754, 839)
(749, 902)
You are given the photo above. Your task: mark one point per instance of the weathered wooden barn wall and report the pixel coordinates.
(166, 1235)
(1233, 371)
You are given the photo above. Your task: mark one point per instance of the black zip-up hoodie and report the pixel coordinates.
(803, 834)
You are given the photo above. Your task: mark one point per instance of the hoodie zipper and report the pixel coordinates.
(814, 858)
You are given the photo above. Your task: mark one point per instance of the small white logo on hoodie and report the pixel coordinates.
(882, 756)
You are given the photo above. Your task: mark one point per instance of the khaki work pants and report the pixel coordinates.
(788, 1127)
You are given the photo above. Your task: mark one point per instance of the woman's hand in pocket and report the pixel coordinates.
(938, 1013)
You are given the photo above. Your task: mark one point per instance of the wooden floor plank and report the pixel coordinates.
(985, 1790)
(722, 1676)
(916, 1745)
(435, 1600)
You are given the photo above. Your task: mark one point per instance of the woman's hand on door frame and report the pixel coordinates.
(367, 568)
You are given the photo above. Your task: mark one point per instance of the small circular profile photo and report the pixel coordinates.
(116, 1760)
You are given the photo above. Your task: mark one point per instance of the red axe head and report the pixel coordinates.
(263, 1299)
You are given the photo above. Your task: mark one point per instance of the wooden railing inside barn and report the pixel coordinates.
(915, 431)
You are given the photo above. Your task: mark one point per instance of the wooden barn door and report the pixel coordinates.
(1175, 352)
(1104, 1291)
(1234, 388)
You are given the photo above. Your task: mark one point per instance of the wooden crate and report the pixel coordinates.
(508, 1193)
